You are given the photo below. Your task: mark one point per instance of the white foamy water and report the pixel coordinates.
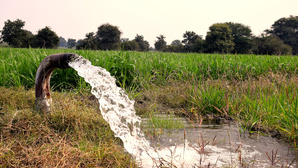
(118, 110)
(115, 106)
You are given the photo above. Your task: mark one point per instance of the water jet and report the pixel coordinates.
(43, 98)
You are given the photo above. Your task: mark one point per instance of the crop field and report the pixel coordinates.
(259, 91)
(140, 69)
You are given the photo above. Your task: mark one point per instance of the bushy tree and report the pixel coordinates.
(89, 43)
(130, 46)
(62, 42)
(219, 39)
(192, 42)
(108, 37)
(14, 34)
(46, 38)
(176, 42)
(241, 37)
(160, 44)
(270, 45)
(287, 30)
(71, 43)
(143, 44)
(176, 46)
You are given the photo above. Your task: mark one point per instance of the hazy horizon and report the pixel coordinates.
(171, 18)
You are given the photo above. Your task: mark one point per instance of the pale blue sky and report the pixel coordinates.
(150, 18)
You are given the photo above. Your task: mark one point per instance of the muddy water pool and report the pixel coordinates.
(219, 145)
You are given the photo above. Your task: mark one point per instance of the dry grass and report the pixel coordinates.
(74, 136)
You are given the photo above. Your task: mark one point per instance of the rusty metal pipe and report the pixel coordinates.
(43, 99)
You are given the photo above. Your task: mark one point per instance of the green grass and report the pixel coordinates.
(139, 69)
(258, 91)
(164, 122)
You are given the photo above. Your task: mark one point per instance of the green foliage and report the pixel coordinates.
(108, 36)
(160, 44)
(46, 38)
(176, 42)
(175, 48)
(14, 34)
(271, 45)
(286, 30)
(143, 44)
(219, 39)
(214, 80)
(273, 105)
(123, 69)
(192, 42)
(62, 42)
(71, 43)
(18, 66)
(89, 43)
(241, 37)
(208, 99)
(164, 122)
(130, 46)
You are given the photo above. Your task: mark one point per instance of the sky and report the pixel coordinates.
(149, 18)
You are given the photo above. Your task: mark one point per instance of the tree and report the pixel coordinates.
(144, 45)
(219, 39)
(287, 30)
(241, 37)
(270, 45)
(89, 43)
(29, 40)
(160, 44)
(130, 46)
(108, 36)
(192, 42)
(71, 43)
(14, 34)
(62, 42)
(176, 46)
(46, 38)
(176, 42)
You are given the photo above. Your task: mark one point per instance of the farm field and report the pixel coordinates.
(260, 92)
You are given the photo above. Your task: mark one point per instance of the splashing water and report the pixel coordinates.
(118, 110)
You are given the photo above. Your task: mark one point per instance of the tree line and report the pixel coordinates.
(228, 37)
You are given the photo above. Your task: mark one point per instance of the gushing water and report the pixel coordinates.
(118, 110)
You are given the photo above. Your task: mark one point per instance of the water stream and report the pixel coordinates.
(118, 110)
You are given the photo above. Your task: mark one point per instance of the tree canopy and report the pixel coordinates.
(108, 37)
(62, 42)
(71, 43)
(46, 38)
(14, 34)
(287, 30)
(228, 37)
(160, 44)
(219, 38)
(241, 37)
(143, 44)
(192, 42)
(271, 45)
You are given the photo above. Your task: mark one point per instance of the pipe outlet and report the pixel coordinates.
(43, 99)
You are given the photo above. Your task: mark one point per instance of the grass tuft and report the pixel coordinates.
(75, 135)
